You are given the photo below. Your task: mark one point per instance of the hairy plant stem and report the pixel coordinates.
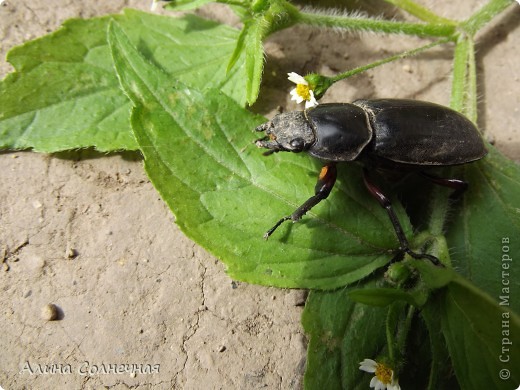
(476, 21)
(463, 88)
(396, 336)
(386, 60)
(464, 100)
(470, 109)
(320, 84)
(404, 330)
(392, 319)
(376, 25)
(439, 211)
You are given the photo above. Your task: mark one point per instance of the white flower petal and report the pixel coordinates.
(295, 96)
(312, 102)
(296, 78)
(368, 365)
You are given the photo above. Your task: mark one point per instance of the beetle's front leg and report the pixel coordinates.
(387, 205)
(326, 180)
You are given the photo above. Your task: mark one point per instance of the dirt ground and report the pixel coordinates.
(90, 234)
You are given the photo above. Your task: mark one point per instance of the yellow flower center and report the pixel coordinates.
(383, 373)
(303, 91)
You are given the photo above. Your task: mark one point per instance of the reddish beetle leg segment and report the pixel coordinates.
(326, 180)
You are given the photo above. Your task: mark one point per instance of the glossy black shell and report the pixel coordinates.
(341, 131)
(407, 132)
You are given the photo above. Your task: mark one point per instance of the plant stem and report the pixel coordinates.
(439, 206)
(484, 15)
(464, 100)
(459, 85)
(420, 12)
(399, 56)
(376, 25)
(439, 211)
(404, 330)
(464, 85)
(471, 96)
(391, 320)
(397, 331)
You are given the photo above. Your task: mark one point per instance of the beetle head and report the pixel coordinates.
(290, 132)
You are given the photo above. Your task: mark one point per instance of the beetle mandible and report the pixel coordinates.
(384, 134)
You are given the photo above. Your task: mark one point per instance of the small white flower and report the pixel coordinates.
(384, 379)
(302, 91)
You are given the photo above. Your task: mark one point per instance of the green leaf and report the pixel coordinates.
(483, 235)
(65, 94)
(482, 338)
(239, 48)
(341, 334)
(185, 5)
(384, 296)
(441, 370)
(474, 326)
(199, 155)
(256, 30)
(432, 276)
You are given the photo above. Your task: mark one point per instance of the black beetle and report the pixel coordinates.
(384, 134)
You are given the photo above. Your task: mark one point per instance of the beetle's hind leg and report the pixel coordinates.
(324, 185)
(387, 205)
(459, 186)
